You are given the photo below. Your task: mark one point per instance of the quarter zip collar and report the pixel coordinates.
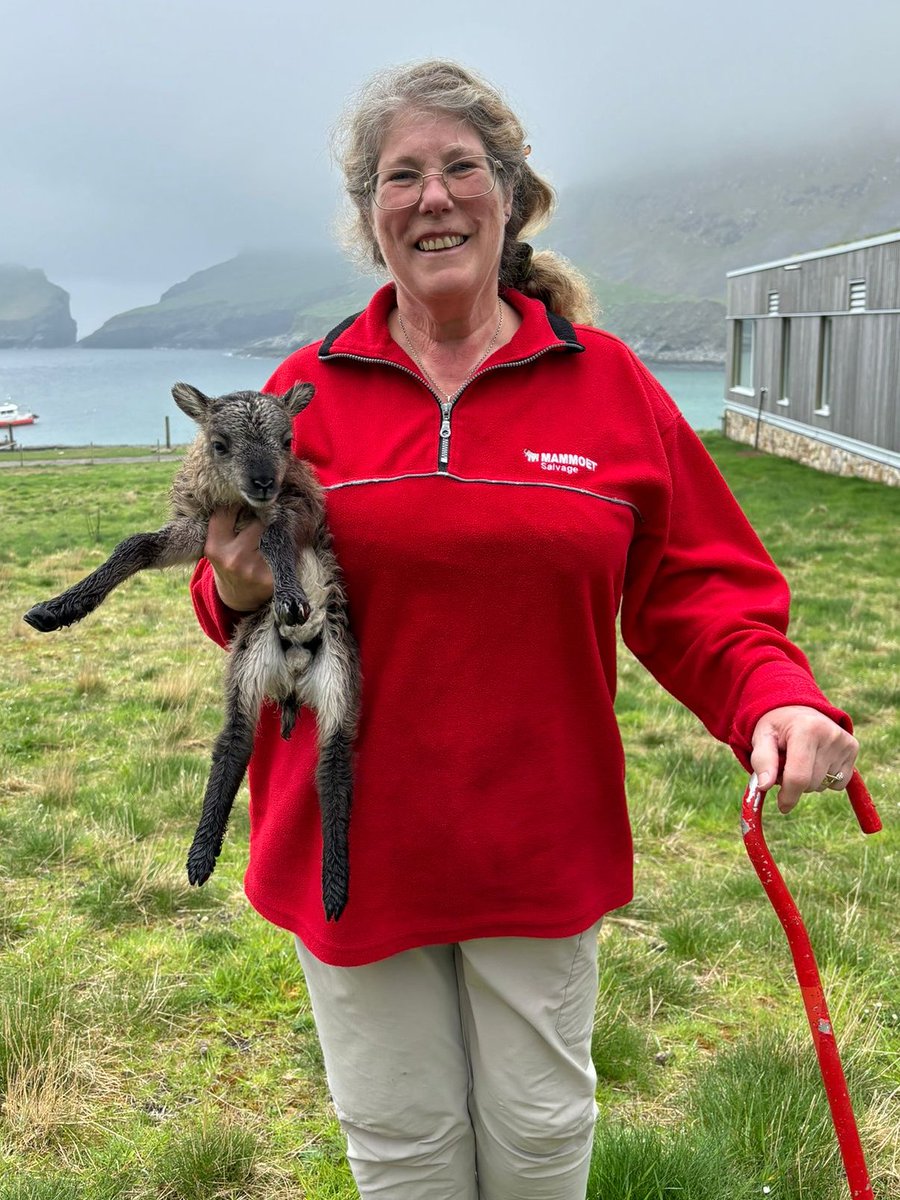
(366, 335)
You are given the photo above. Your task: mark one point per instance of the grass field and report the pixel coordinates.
(157, 1040)
(25, 456)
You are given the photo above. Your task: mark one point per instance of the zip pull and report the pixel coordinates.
(444, 453)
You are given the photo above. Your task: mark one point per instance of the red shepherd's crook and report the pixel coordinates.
(808, 972)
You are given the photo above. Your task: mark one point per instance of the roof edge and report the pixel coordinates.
(845, 248)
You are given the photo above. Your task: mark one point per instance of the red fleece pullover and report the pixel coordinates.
(487, 553)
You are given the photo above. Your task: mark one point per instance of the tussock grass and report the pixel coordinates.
(154, 775)
(322, 1170)
(44, 1187)
(50, 1100)
(211, 1158)
(14, 923)
(131, 820)
(177, 691)
(648, 980)
(36, 840)
(59, 783)
(157, 1039)
(36, 1005)
(635, 1163)
(620, 1046)
(53, 1077)
(777, 1133)
(90, 681)
(133, 887)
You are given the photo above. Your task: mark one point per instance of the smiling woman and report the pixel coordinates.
(503, 482)
(442, 249)
(474, 115)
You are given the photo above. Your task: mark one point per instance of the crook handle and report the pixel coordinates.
(863, 806)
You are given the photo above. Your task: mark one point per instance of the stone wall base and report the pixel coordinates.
(807, 450)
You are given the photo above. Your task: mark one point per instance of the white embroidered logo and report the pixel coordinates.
(568, 464)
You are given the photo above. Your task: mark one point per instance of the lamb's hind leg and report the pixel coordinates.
(177, 542)
(334, 781)
(231, 754)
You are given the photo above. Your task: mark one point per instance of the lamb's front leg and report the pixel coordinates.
(180, 541)
(290, 602)
(231, 754)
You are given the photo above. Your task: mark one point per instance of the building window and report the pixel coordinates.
(857, 295)
(823, 388)
(774, 301)
(784, 386)
(742, 369)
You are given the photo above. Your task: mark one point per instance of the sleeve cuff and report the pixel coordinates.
(775, 685)
(217, 620)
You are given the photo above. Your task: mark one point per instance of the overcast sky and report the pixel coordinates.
(141, 140)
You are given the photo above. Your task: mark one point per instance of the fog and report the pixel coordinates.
(142, 141)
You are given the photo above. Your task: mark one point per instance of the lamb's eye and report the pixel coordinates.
(220, 447)
(288, 441)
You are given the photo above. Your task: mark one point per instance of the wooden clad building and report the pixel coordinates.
(813, 358)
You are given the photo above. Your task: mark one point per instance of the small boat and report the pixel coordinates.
(10, 415)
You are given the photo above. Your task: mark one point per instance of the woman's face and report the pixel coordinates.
(427, 141)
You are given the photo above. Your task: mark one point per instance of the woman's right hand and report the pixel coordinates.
(243, 579)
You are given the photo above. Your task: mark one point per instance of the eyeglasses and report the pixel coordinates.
(464, 178)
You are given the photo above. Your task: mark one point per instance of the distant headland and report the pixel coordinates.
(33, 311)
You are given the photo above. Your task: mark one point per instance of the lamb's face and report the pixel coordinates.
(247, 435)
(249, 438)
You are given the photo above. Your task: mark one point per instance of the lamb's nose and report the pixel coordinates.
(264, 485)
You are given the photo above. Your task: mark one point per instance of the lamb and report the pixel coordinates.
(296, 650)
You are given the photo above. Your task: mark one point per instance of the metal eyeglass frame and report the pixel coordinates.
(372, 182)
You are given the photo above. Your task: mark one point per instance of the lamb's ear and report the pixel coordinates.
(298, 397)
(191, 401)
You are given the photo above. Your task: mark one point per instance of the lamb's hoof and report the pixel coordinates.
(200, 865)
(334, 898)
(43, 618)
(292, 612)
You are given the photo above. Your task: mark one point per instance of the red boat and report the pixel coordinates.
(10, 416)
(10, 419)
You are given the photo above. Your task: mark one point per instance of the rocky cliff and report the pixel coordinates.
(33, 311)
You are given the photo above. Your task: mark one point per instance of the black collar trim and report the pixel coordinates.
(563, 329)
(330, 338)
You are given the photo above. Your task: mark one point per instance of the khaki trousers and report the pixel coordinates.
(463, 1072)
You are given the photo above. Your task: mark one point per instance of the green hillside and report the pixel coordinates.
(256, 295)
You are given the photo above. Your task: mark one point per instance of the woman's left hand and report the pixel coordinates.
(804, 751)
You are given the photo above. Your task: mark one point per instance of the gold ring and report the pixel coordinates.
(830, 780)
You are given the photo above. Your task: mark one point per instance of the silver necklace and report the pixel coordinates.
(471, 371)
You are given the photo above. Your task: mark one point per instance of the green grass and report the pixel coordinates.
(157, 1040)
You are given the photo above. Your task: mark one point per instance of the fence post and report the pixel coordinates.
(763, 392)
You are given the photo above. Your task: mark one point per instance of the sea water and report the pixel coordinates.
(122, 397)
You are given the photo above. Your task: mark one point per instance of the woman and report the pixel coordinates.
(501, 482)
